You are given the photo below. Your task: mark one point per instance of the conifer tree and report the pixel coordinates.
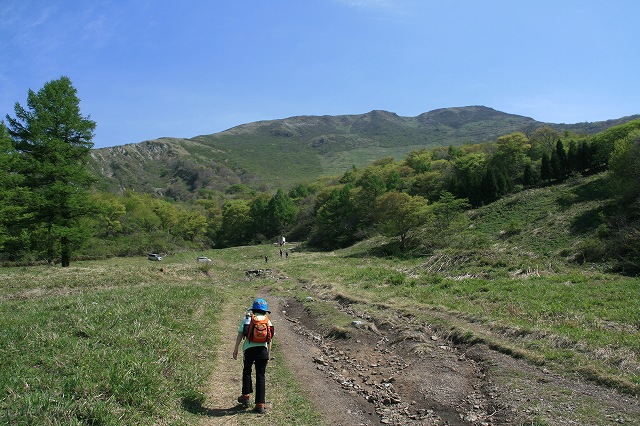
(546, 171)
(54, 141)
(561, 166)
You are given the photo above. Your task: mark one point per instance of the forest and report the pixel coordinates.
(51, 209)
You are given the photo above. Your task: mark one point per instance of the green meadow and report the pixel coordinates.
(128, 341)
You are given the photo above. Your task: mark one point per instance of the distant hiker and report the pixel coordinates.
(257, 331)
(266, 259)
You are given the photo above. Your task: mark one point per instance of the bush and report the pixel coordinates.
(591, 250)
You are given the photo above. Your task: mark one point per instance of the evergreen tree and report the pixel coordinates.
(336, 222)
(236, 224)
(584, 156)
(573, 159)
(546, 171)
(260, 217)
(282, 212)
(528, 178)
(369, 187)
(561, 166)
(54, 141)
(12, 193)
(490, 188)
(556, 166)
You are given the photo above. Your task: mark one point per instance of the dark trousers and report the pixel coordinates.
(259, 357)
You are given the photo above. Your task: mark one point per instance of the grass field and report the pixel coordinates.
(128, 341)
(123, 341)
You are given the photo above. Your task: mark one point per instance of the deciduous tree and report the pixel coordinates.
(398, 214)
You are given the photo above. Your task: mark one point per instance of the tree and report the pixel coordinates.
(543, 140)
(282, 212)
(54, 140)
(336, 220)
(419, 160)
(490, 187)
(370, 185)
(213, 214)
(260, 218)
(573, 159)
(528, 176)
(511, 156)
(559, 162)
(398, 214)
(584, 156)
(467, 177)
(546, 170)
(236, 223)
(624, 164)
(12, 193)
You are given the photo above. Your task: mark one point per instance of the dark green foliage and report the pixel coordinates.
(528, 176)
(625, 223)
(336, 221)
(559, 162)
(281, 211)
(546, 170)
(236, 223)
(490, 189)
(260, 218)
(12, 194)
(53, 140)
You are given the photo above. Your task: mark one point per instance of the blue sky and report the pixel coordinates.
(146, 69)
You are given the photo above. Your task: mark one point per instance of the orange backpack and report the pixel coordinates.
(259, 330)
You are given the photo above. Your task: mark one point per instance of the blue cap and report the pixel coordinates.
(260, 305)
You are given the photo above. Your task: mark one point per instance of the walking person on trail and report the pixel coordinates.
(256, 330)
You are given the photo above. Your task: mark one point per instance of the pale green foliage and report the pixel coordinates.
(625, 165)
(398, 214)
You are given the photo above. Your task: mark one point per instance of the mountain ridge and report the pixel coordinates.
(279, 153)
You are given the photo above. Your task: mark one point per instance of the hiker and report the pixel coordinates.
(255, 350)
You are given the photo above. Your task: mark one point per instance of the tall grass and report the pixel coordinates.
(96, 346)
(579, 320)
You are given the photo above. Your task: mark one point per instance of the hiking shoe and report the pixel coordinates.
(259, 409)
(244, 400)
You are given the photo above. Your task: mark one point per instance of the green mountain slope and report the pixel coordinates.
(278, 153)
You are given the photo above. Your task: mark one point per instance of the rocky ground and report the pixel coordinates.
(401, 373)
(397, 371)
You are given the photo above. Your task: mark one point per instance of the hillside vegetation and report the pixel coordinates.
(131, 341)
(274, 154)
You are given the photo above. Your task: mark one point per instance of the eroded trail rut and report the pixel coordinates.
(396, 371)
(400, 372)
(389, 379)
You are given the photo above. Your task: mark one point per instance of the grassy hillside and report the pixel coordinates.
(281, 153)
(127, 341)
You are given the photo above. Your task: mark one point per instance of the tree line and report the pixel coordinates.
(50, 208)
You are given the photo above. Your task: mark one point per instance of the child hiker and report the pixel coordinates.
(256, 330)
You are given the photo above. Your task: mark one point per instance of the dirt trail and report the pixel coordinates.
(384, 372)
(220, 407)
